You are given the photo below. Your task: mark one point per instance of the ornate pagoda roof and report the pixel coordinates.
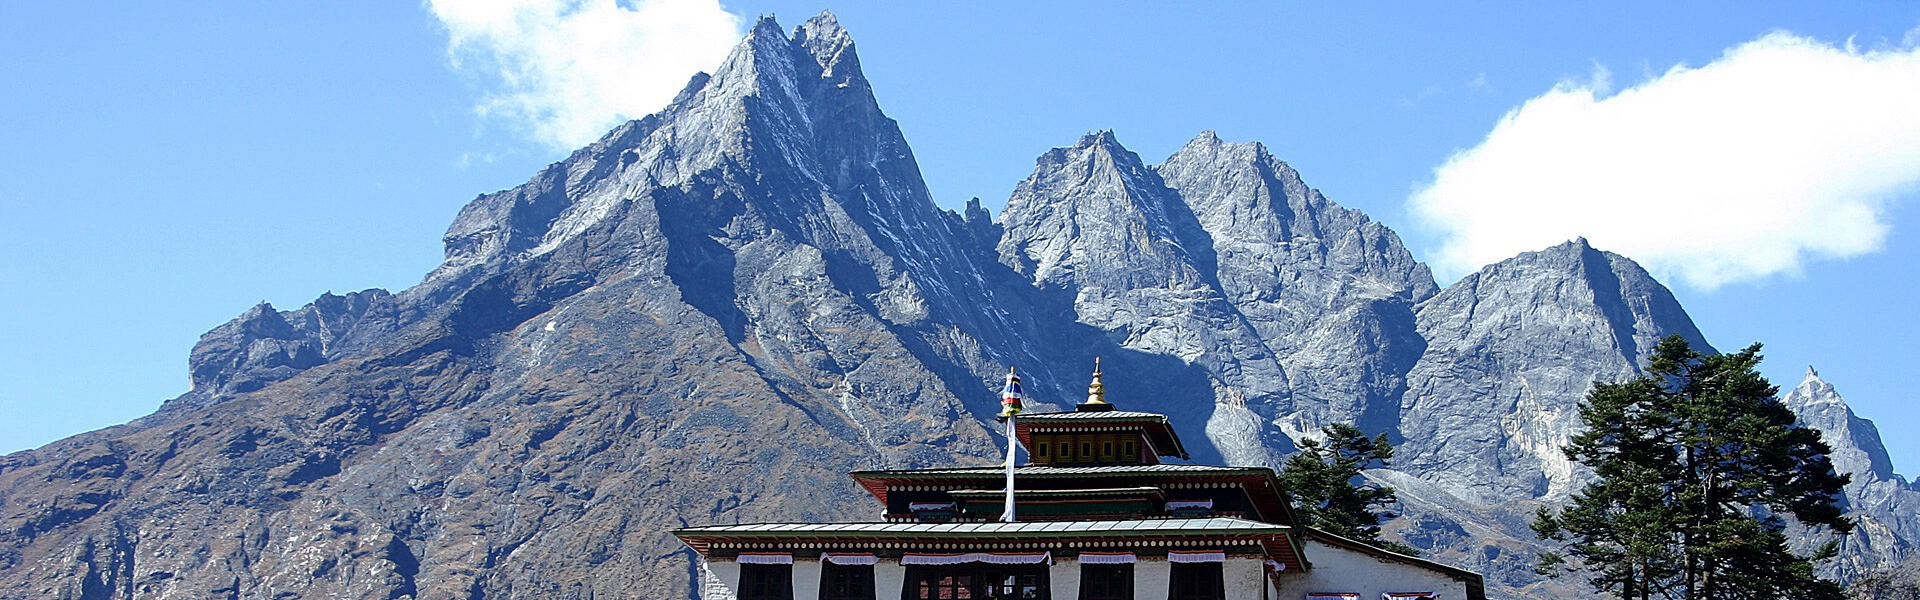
(1053, 471)
(1277, 540)
(1159, 432)
(1260, 484)
(990, 528)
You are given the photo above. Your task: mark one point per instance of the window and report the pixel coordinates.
(846, 582)
(1196, 581)
(1131, 451)
(1015, 586)
(1106, 582)
(947, 586)
(766, 582)
(1086, 449)
(1066, 451)
(1040, 450)
(976, 581)
(1106, 450)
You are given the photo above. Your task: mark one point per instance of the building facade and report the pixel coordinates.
(1098, 516)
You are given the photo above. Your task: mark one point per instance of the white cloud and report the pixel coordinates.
(568, 70)
(1784, 148)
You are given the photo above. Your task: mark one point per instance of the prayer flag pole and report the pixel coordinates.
(1010, 397)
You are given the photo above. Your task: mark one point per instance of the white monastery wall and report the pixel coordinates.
(1337, 569)
(718, 578)
(1063, 578)
(806, 577)
(1152, 578)
(1245, 578)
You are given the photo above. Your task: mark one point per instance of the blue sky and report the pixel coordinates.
(165, 167)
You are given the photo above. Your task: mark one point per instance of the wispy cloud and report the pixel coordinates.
(1784, 148)
(567, 70)
(1477, 85)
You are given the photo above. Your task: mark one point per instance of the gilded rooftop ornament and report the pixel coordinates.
(1096, 391)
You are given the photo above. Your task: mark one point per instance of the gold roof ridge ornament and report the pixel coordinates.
(1096, 391)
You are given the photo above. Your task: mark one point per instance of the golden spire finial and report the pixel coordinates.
(1096, 391)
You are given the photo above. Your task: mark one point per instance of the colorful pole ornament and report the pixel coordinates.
(1010, 396)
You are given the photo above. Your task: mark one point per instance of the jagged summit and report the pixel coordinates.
(1470, 383)
(829, 44)
(1095, 202)
(1855, 441)
(1881, 500)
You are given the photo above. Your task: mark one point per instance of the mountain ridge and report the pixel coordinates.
(606, 351)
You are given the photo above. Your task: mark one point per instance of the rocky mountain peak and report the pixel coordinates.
(1209, 145)
(263, 321)
(765, 33)
(831, 47)
(1252, 203)
(1881, 502)
(1855, 441)
(1095, 202)
(264, 345)
(1607, 313)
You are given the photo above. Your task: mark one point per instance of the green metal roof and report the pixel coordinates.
(1145, 527)
(1052, 471)
(1108, 415)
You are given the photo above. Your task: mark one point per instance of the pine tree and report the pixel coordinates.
(1329, 493)
(1698, 467)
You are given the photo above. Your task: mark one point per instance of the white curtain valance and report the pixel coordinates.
(917, 506)
(1333, 596)
(850, 559)
(764, 559)
(1106, 558)
(1202, 556)
(982, 557)
(1409, 596)
(1179, 504)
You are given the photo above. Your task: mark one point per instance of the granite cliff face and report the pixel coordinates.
(714, 312)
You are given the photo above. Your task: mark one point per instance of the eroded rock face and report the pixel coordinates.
(712, 313)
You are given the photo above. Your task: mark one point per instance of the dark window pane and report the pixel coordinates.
(766, 582)
(1106, 582)
(1196, 581)
(846, 582)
